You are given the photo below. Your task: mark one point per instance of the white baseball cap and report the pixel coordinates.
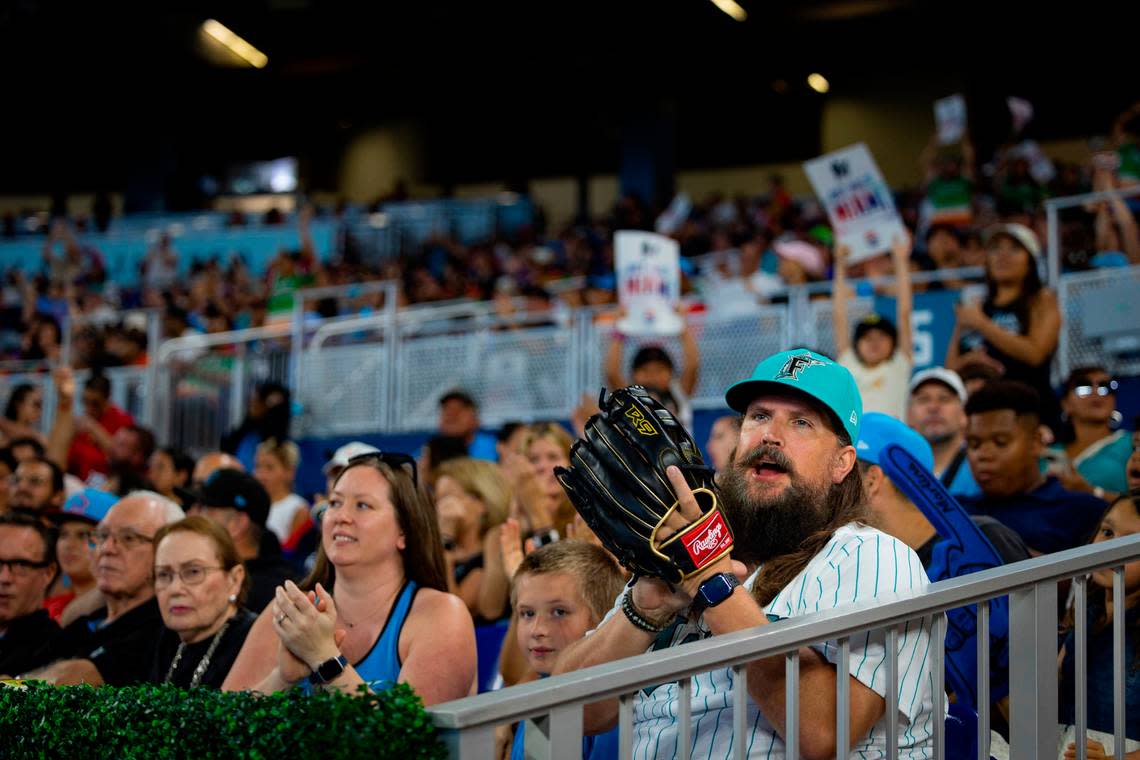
(1024, 236)
(346, 452)
(942, 375)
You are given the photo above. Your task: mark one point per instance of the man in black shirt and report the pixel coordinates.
(27, 569)
(238, 503)
(115, 645)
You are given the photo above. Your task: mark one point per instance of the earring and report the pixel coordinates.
(1117, 419)
(233, 598)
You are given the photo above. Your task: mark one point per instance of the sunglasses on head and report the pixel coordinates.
(394, 459)
(1105, 388)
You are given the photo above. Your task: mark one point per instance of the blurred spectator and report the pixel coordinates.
(27, 568)
(948, 178)
(23, 449)
(201, 585)
(275, 469)
(169, 471)
(1016, 329)
(1122, 519)
(937, 410)
(653, 369)
(1091, 457)
(472, 498)
(131, 448)
(159, 268)
(81, 513)
(43, 339)
(115, 645)
(1004, 448)
(92, 444)
(548, 446)
(1115, 226)
(7, 468)
(22, 413)
(211, 462)
(976, 375)
(896, 513)
(36, 486)
(722, 440)
(800, 262)
(510, 439)
(267, 419)
(879, 357)
(459, 418)
(1133, 466)
(238, 503)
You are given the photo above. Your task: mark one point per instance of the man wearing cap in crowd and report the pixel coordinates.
(27, 567)
(459, 418)
(211, 462)
(237, 502)
(794, 499)
(115, 645)
(81, 513)
(937, 410)
(36, 486)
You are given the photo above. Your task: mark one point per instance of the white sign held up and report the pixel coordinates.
(858, 201)
(950, 115)
(648, 270)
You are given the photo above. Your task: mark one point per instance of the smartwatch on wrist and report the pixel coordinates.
(713, 591)
(328, 670)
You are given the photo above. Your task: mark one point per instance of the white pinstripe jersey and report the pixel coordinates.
(859, 565)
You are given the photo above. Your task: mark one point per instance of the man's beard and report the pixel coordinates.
(768, 526)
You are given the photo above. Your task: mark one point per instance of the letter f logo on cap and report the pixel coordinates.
(797, 364)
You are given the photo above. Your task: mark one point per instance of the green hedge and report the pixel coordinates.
(167, 722)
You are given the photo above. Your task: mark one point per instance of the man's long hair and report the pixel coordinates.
(845, 504)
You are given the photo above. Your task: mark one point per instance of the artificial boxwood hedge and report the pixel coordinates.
(168, 722)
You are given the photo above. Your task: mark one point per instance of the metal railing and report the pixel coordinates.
(389, 368)
(467, 725)
(1053, 207)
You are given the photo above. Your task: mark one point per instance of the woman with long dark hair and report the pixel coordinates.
(22, 414)
(1017, 327)
(375, 609)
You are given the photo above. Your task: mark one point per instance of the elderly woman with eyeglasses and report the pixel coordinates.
(375, 609)
(1092, 457)
(200, 584)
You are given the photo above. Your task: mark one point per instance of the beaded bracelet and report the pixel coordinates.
(636, 618)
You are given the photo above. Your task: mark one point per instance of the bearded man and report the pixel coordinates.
(793, 496)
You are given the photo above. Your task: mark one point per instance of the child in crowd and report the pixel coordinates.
(560, 592)
(1122, 519)
(879, 356)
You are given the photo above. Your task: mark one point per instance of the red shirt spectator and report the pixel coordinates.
(91, 445)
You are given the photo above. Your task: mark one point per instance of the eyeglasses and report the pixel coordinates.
(127, 538)
(390, 458)
(35, 481)
(1106, 388)
(191, 575)
(21, 568)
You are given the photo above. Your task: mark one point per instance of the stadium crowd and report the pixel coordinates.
(124, 560)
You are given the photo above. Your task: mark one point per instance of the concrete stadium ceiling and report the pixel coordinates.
(99, 84)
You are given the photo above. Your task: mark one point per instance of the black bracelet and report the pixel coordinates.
(638, 620)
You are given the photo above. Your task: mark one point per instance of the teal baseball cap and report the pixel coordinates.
(880, 429)
(811, 374)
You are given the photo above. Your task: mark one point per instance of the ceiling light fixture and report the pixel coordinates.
(235, 44)
(732, 8)
(819, 83)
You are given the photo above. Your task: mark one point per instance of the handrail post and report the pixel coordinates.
(1033, 671)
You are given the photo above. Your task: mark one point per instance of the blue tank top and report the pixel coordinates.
(380, 668)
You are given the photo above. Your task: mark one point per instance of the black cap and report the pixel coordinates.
(875, 322)
(650, 354)
(460, 395)
(235, 489)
